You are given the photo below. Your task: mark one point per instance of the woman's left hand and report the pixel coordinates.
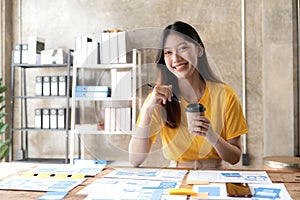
(201, 126)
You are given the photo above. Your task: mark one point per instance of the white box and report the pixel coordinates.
(35, 46)
(118, 113)
(96, 53)
(61, 118)
(24, 54)
(112, 119)
(105, 48)
(122, 51)
(62, 85)
(17, 53)
(113, 46)
(54, 56)
(46, 85)
(127, 119)
(107, 119)
(53, 118)
(39, 85)
(38, 118)
(54, 85)
(46, 118)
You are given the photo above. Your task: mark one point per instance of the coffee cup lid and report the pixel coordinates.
(196, 107)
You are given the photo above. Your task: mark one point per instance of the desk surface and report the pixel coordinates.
(290, 179)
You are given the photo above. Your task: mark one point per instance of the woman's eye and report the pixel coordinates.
(181, 49)
(168, 52)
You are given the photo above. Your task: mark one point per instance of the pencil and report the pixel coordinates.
(174, 98)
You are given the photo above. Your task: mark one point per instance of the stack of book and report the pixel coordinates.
(112, 47)
(50, 118)
(117, 119)
(30, 52)
(92, 91)
(51, 85)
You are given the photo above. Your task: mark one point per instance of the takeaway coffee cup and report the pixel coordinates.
(193, 110)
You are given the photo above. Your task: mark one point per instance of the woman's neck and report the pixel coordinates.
(192, 89)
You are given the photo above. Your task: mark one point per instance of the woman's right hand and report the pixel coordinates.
(161, 94)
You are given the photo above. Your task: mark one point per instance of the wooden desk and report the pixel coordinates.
(290, 179)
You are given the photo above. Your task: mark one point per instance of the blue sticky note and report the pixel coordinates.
(262, 192)
(53, 195)
(149, 193)
(212, 191)
(166, 185)
(149, 174)
(234, 174)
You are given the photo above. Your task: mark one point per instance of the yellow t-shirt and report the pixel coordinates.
(223, 109)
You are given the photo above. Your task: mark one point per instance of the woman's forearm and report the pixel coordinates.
(229, 151)
(140, 145)
(138, 150)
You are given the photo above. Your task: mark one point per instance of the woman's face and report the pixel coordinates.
(181, 56)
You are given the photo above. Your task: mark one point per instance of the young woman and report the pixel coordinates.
(185, 71)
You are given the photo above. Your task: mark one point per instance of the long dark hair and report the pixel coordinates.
(167, 78)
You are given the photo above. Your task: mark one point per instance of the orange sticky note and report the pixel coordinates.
(181, 191)
(203, 195)
(197, 182)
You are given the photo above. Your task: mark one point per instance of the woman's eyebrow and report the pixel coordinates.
(181, 43)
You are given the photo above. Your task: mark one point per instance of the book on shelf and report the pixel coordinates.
(113, 47)
(38, 85)
(92, 94)
(62, 85)
(54, 85)
(93, 91)
(20, 54)
(17, 53)
(46, 118)
(24, 54)
(93, 88)
(85, 40)
(107, 119)
(46, 86)
(61, 118)
(122, 51)
(105, 48)
(87, 51)
(53, 118)
(117, 119)
(35, 46)
(121, 84)
(38, 118)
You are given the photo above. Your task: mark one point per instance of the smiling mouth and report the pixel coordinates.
(178, 66)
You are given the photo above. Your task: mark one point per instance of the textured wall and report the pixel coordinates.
(269, 55)
(278, 76)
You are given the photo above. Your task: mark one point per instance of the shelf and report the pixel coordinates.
(92, 129)
(28, 99)
(44, 160)
(109, 99)
(40, 65)
(40, 97)
(38, 129)
(127, 99)
(108, 66)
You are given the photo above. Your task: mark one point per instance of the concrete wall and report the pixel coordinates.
(270, 86)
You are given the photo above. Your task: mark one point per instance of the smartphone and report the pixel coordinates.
(238, 190)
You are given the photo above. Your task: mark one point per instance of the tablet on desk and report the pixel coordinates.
(238, 190)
